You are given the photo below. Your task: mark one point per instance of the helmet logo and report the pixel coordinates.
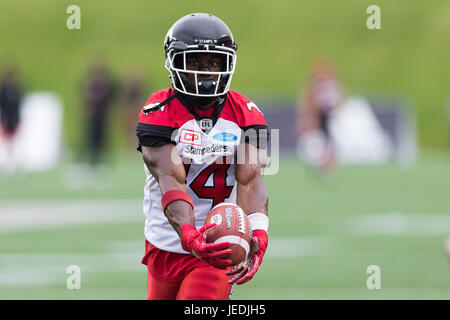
(197, 40)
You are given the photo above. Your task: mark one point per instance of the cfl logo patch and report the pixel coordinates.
(205, 124)
(190, 137)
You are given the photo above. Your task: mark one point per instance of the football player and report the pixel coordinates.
(202, 145)
(11, 93)
(314, 112)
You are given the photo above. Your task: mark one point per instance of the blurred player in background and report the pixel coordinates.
(11, 92)
(323, 95)
(190, 136)
(98, 92)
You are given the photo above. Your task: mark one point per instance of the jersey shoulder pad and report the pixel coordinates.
(162, 116)
(244, 111)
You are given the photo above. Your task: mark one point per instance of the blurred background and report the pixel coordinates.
(363, 117)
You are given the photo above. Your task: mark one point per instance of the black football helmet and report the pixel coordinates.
(206, 34)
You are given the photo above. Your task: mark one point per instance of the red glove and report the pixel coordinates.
(247, 270)
(193, 240)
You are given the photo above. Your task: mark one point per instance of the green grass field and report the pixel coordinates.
(323, 233)
(278, 41)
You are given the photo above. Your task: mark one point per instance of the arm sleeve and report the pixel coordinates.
(151, 135)
(257, 135)
(154, 129)
(254, 129)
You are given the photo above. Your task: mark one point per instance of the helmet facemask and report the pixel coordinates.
(200, 83)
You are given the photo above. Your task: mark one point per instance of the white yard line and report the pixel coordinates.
(282, 248)
(41, 269)
(41, 215)
(54, 214)
(396, 223)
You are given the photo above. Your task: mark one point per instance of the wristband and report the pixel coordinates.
(258, 221)
(173, 195)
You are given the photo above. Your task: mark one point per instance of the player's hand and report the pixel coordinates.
(245, 272)
(193, 240)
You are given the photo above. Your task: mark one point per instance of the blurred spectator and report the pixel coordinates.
(132, 99)
(98, 92)
(11, 92)
(334, 127)
(323, 95)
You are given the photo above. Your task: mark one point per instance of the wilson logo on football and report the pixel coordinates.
(190, 137)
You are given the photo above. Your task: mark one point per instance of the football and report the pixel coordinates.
(233, 226)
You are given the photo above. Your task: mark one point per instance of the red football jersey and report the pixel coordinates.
(207, 143)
